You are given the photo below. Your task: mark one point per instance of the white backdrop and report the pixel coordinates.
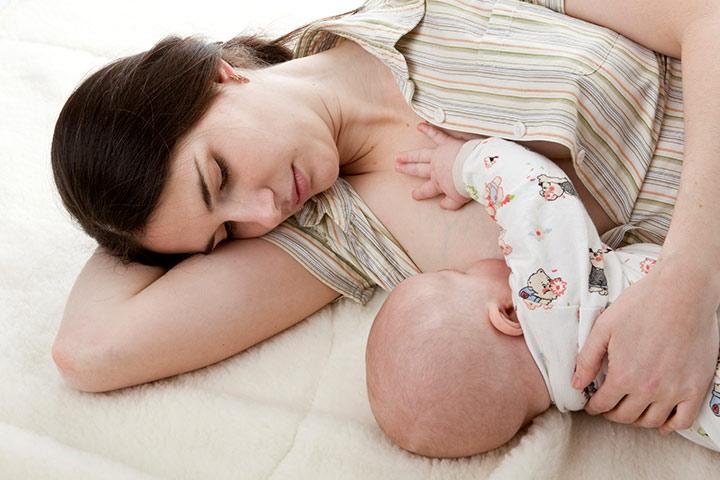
(293, 407)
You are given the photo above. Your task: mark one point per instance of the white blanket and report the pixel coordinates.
(293, 407)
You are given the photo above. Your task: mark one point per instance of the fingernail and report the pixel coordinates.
(576, 382)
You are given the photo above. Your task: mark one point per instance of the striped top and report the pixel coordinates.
(523, 70)
(342, 243)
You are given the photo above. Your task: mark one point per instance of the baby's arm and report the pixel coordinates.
(544, 224)
(523, 192)
(552, 248)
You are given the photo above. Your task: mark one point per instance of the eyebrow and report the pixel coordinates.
(207, 199)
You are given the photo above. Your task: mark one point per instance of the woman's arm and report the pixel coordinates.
(661, 334)
(126, 325)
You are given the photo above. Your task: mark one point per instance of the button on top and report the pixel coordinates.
(439, 115)
(580, 157)
(519, 129)
(409, 90)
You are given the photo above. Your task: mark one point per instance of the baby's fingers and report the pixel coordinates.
(421, 170)
(450, 203)
(435, 134)
(422, 155)
(429, 189)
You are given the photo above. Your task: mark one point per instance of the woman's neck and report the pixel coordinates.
(353, 93)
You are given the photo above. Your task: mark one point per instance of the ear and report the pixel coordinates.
(504, 320)
(225, 71)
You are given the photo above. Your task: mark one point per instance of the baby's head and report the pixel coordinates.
(448, 371)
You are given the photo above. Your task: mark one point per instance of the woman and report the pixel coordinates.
(190, 171)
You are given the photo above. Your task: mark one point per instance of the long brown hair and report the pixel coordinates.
(114, 136)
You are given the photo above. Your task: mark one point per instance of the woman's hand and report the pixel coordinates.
(436, 165)
(661, 338)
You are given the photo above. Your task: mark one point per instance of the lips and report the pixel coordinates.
(294, 195)
(301, 187)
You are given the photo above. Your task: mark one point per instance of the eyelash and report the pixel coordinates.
(224, 176)
(224, 172)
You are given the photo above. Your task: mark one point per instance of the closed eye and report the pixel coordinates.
(224, 176)
(224, 172)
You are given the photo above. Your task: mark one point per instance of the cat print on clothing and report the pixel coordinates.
(490, 160)
(541, 290)
(598, 281)
(647, 264)
(715, 397)
(505, 249)
(495, 197)
(589, 390)
(552, 188)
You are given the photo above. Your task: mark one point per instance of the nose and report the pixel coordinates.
(258, 208)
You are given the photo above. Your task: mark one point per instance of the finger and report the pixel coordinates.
(435, 134)
(685, 414)
(427, 190)
(589, 360)
(450, 203)
(606, 398)
(421, 155)
(655, 415)
(421, 170)
(628, 410)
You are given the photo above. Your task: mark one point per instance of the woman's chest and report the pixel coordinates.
(435, 238)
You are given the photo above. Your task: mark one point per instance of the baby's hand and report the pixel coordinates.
(435, 164)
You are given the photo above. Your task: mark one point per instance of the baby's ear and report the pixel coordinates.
(504, 320)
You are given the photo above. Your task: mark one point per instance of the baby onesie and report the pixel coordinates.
(562, 275)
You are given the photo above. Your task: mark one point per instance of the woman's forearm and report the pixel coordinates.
(101, 291)
(204, 310)
(693, 240)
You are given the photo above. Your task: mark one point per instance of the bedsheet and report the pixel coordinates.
(293, 407)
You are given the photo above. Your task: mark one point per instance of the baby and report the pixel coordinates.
(521, 321)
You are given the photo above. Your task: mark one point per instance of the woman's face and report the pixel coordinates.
(249, 163)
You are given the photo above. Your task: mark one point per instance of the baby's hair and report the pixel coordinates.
(437, 377)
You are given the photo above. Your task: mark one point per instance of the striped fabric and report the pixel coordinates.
(341, 242)
(523, 70)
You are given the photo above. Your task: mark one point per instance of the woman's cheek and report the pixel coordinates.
(251, 231)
